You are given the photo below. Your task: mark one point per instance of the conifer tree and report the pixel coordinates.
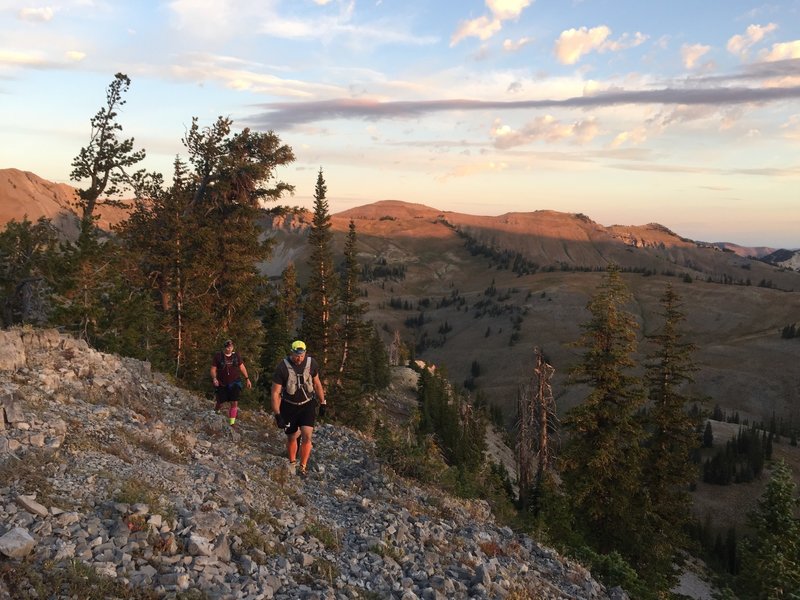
(105, 161)
(319, 308)
(90, 275)
(602, 458)
(376, 371)
(28, 257)
(672, 438)
(352, 308)
(354, 337)
(770, 566)
(280, 316)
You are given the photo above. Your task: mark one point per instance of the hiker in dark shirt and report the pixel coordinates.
(227, 371)
(296, 389)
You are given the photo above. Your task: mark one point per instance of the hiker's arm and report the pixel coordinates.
(276, 397)
(214, 379)
(243, 369)
(318, 389)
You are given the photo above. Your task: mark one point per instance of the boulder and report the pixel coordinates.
(17, 543)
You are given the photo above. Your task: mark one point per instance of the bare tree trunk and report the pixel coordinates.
(537, 418)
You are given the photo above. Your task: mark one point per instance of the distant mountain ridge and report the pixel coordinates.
(756, 251)
(550, 240)
(23, 193)
(788, 259)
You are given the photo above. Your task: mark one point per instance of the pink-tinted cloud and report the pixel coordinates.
(573, 44)
(485, 27)
(690, 54)
(783, 51)
(740, 44)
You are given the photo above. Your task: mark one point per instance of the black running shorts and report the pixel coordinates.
(298, 415)
(228, 393)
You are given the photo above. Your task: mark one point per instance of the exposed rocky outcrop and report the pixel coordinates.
(107, 464)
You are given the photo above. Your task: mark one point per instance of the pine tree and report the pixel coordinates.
(169, 241)
(602, 459)
(770, 565)
(28, 257)
(89, 275)
(708, 436)
(672, 438)
(105, 161)
(198, 244)
(353, 348)
(319, 308)
(352, 308)
(279, 318)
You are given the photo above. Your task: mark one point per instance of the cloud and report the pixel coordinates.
(507, 9)
(783, 51)
(635, 137)
(545, 129)
(574, 43)
(227, 18)
(784, 69)
(482, 28)
(287, 114)
(740, 44)
(485, 27)
(20, 59)
(692, 53)
(322, 2)
(35, 15)
(685, 113)
(625, 41)
(516, 45)
(236, 74)
(75, 55)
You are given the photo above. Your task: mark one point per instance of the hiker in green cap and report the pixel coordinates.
(296, 389)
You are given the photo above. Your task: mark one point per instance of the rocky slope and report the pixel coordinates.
(111, 475)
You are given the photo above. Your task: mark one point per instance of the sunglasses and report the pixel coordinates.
(299, 351)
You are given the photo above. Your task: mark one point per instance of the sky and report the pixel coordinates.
(682, 113)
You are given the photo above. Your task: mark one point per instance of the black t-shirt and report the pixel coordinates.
(281, 376)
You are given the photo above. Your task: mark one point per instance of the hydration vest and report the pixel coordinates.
(299, 381)
(226, 363)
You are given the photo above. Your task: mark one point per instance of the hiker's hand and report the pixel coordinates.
(248, 383)
(322, 409)
(280, 422)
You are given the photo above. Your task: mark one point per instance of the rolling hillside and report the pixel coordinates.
(744, 365)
